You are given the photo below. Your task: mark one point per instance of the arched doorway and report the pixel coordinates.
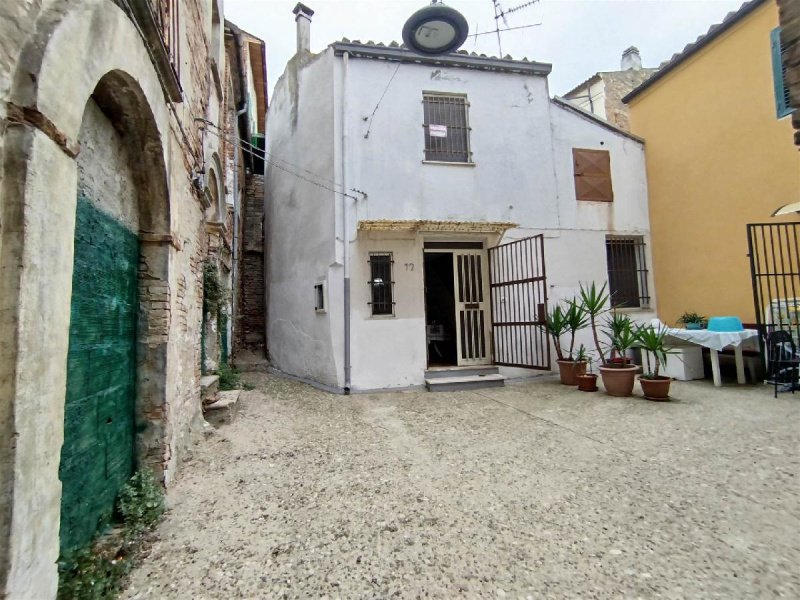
(113, 366)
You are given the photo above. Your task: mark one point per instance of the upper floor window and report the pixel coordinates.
(592, 170)
(783, 105)
(446, 128)
(627, 271)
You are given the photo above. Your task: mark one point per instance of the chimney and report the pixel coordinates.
(303, 20)
(630, 58)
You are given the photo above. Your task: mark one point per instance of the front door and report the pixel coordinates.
(473, 341)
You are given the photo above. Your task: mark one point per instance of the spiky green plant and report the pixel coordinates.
(594, 301)
(651, 339)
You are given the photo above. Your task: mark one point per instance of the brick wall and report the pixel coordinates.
(251, 325)
(790, 39)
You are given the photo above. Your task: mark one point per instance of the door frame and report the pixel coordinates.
(478, 246)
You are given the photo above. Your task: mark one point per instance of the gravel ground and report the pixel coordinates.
(533, 490)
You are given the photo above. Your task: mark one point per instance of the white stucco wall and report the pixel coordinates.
(299, 221)
(510, 140)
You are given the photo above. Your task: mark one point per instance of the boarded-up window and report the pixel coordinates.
(592, 175)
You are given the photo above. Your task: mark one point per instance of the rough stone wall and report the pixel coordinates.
(789, 11)
(72, 42)
(617, 85)
(251, 323)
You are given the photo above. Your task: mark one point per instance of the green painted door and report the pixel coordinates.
(97, 455)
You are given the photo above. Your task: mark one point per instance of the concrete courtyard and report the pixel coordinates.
(533, 490)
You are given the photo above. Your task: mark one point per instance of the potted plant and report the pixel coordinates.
(569, 320)
(618, 374)
(651, 340)
(691, 320)
(587, 382)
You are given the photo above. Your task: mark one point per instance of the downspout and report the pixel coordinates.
(345, 229)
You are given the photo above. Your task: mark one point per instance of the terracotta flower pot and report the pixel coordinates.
(655, 388)
(569, 370)
(587, 382)
(619, 381)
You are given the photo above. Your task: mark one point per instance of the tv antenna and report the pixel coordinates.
(500, 14)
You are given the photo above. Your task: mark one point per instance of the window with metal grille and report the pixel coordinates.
(627, 271)
(783, 105)
(380, 284)
(446, 128)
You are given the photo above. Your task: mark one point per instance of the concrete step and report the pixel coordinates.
(224, 409)
(464, 382)
(209, 385)
(441, 372)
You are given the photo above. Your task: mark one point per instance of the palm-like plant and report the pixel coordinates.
(651, 340)
(575, 318)
(621, 334)
(556, 327)
(594, 300)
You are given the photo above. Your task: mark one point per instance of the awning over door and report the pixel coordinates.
(436, 226)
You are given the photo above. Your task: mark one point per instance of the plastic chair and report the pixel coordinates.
(783, 364)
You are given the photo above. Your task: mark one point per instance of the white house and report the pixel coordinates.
(422, 212)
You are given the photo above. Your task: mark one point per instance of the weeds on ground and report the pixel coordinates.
(230, 378)
(99, 571)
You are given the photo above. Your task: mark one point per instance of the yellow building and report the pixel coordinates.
(718, 158)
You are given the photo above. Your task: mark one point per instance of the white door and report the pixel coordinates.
(472, 306)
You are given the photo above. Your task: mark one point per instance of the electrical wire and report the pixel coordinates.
(386, 89)
(262, 154)
(273, 158)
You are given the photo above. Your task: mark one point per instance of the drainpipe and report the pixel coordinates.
(345, 229)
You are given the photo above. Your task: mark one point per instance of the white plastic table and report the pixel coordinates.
(716, 341)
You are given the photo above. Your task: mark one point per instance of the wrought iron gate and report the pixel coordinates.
(518, 289)
(774, 250)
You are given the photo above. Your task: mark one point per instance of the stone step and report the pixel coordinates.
(464, 382)
(443, 372)
(224, 409)
(209, 385)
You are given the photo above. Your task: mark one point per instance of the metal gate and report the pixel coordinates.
(774, 250)
(518, 289)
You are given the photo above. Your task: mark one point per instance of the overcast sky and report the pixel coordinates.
(578, 37)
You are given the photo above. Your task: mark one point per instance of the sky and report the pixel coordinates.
(578, 37)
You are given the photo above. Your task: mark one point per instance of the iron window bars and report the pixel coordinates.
(446, 128)
(381, 284)
(627, 271)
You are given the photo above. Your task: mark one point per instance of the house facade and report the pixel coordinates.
(719, 157)
(117, 191)
(391, 179)
(603, 92)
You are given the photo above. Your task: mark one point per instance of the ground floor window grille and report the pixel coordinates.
(627, 271)
(381, 284)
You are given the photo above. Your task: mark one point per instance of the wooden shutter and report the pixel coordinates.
(592, 175)
(783, 105)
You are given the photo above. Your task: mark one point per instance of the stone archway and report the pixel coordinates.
(76, 51)
(110, 394)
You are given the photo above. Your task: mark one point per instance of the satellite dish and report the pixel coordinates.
(435, 29)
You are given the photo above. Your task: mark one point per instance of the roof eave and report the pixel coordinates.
(691, 49)
(463, 61)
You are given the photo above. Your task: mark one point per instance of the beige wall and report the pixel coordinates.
(717, 159)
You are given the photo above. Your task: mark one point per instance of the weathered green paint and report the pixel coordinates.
(97, 455)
